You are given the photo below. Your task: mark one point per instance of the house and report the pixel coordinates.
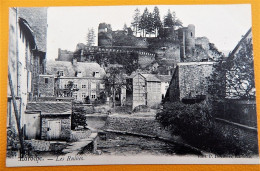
(146, 90)
(86, 78)
(26, 60)
(48, 120)
(189, 82)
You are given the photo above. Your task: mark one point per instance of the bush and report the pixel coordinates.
(78, 118)
(190, 121)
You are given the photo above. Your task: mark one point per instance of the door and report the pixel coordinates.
(32, 125)
(54, 129)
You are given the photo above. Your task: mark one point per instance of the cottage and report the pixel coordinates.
(48, 120)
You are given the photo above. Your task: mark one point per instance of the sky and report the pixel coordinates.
(223, 25)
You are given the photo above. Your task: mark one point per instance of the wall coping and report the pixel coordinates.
(195, 63)
(237, 124)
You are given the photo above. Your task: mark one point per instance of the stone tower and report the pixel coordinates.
(186, 37)
(104, 35)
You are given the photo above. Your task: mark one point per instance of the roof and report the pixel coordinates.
(236, 49)
(165, 78)
(50, 107)
(69, 69)
(151, 77)
(37, 19)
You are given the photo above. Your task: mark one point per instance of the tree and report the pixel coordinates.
(240, 81)
(125, 27)
(114, 80)
(136, 20)
(150, 26)
(144, 21)
(156, 20)
(68, 90)
(168, 19)
(78, 117)
(91, 37)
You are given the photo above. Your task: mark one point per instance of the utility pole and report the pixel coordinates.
(16, 113)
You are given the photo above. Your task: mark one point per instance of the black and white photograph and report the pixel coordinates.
(143, 84)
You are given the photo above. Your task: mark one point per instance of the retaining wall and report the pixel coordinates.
(137, 125)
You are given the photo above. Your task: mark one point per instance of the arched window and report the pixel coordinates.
(191, 34)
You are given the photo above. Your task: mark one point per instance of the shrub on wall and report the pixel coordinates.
(195, 124)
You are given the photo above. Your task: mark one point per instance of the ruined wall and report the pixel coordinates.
(65, 55)
(203, 42)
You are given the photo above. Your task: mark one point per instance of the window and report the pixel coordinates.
(75, 95)
(61, 73)
(83, 86)
(96, 74)
(65, 85)
(191, 34)
(93, 96)
(75, 85)
(83, 95)
(46, 80)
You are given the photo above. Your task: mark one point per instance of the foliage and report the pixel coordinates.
(68, 90)
(78, 117)
(170, 20)
(144, 21)
(156, 20)
(91, 37)
(136, 20)
(114, 81)
(240, 78)
(188, 120)
(150, 24)
(234, 77)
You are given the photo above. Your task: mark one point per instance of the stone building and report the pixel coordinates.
(87, 78)
(48, 120)
(189, 82)
(146, 90)
(26, 59)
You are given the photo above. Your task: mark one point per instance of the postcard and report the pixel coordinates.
(147, 84)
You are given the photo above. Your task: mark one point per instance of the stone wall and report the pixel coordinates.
(46, 89)
(136, 125)
(242, 137)
(65, 126)
(193, 79)
(39, 145)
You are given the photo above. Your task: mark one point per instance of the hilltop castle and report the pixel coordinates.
(159, 54)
